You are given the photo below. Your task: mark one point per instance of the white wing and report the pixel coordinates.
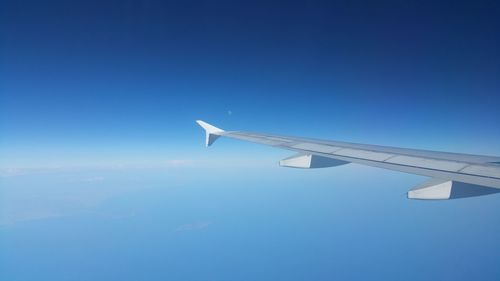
(453, 175)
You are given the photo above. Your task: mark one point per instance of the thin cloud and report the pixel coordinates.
(12, 172)
(194, 226)
(179, 162)
(93, 179)
(27, 216)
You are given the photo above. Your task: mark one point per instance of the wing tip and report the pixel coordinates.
(212, 133)
(208, 127)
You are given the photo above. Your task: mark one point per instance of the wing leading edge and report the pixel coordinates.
(453, 175)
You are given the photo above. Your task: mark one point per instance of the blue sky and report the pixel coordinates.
(97, 138)
(137, 73)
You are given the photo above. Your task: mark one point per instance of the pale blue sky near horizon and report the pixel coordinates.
(104, 174)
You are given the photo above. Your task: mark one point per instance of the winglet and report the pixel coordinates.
(212, 133)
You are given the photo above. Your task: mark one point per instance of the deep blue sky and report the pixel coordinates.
(103, 173)
(86, 73)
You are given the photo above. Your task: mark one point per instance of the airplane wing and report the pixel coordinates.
(452, 175)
